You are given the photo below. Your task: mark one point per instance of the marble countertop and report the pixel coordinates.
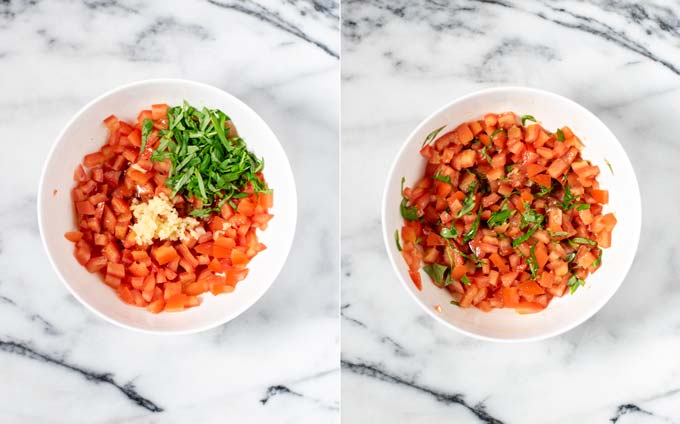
(619, 59)
(278, 362)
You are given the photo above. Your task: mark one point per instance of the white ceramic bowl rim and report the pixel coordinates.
(291, 205)
(388, 236)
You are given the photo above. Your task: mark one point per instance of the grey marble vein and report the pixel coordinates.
(457, 399)
(128, 389)
(265, 14)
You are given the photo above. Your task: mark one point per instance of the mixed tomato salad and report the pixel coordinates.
(169, 207)
(506, 215)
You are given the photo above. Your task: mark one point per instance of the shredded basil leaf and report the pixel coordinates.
(472, 257)
(453, 302)
(527, 118)
(560, 134)
(543, 191)
(524, 237)
(493, 134)
(574, 283)
(469, 201)
(475, 226)
(530, 216)
(147, 127)
(598, 261)
(409, 213)
(442, 178)
(431, 136)
(396, 239)
(532, 262)
(609, 165)
(485, 154)
(500, 217)
(582, 240)
(582, 206)
(449, 233)
(436, 272)
(570, 257)
(465, 280)
(568, 199)
(208, 163)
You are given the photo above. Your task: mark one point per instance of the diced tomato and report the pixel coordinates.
(159, 111)
(529, 307)
(96, 264)
(194, 289)
(541, 252)
(111, 252)
(85, 208)
(238, 256)
(175, 303)
(530, 288)
(156, 306)
(600, 196)
(266, 200)
(246, 207)
(125, 294)
(73, 236)
(223, 246)
(115, 270)
(510, 297)
(187, 255)
(94, 159)
(80, 175)
(165, 254)
(542, 179)
(83, 253)
(138, 269)
(114, 282)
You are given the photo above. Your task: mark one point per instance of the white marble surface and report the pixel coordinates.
(402, 60)
(278, 362)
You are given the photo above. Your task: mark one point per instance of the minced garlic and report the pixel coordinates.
(158, 219)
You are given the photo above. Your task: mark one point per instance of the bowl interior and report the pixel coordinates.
(86, 133)
(552, 111)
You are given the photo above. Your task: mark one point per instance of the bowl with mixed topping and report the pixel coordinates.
(512, 214)
(167, 206)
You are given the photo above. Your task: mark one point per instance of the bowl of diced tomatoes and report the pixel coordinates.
(95, 221)
(511, 214)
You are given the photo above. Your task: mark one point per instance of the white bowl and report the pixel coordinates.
(565, 313)
(85, 133)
